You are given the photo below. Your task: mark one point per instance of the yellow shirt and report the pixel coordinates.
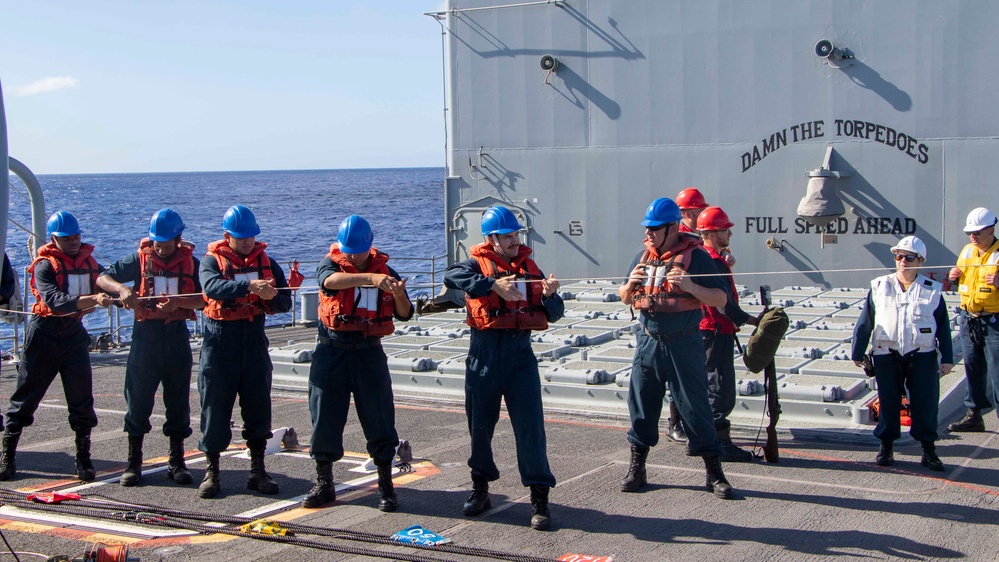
(977, 295)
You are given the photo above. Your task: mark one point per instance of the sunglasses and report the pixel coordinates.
(908, 259)
(656, 228)
(978, 232)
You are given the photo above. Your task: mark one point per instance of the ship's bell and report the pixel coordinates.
(821, 204)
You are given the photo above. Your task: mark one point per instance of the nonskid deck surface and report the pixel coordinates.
(824, 498)
(585, 360)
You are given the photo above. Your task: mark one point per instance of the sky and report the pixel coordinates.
(108, 86)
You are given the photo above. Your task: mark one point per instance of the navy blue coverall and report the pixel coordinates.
(8, 284)
(670, 353)
(346, 363)
(501, 365)
(160, 354)
(914, 372)
(54, 345)
(234, 361)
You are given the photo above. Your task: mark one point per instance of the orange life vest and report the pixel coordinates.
(905, 413)
(68, 271)
(233, 266)
(358, 309)
(492, 311)
(713, 320)
(179, 266)
(657, 294)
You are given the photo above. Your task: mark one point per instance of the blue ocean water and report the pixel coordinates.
(298, 212)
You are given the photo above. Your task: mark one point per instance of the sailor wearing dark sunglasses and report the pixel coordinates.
(905, 321)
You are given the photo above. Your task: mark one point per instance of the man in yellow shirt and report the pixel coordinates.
(978, 285)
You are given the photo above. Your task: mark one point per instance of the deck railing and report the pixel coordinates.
(425, 276)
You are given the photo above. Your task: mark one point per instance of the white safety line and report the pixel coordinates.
(62, 406)
(341, 487)
(101, 525)
(19, 514)
(943, 482)
(516, 501)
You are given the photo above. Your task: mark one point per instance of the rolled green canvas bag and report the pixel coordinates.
(765, 340)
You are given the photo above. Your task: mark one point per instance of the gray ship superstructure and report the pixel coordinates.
(826, 130)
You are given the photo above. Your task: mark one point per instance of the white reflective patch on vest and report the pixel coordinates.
(251, 276)
(78, 285)
(968, 252)
(962, 289)
(650, 274)
(366, 298)
(166, 285)
(993, 259)
(658, 275)
(522, 287)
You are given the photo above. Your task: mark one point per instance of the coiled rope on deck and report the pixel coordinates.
(111, 509)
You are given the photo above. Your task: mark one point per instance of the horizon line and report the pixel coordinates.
(239, 171)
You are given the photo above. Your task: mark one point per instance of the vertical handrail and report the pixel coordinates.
(38, 235)
(4, 164)
(117, 324)
(16, 351)
(111, 330)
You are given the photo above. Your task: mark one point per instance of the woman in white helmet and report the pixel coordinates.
(906, 324)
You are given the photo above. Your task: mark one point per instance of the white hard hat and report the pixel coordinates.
(911, 244)
(978, 219)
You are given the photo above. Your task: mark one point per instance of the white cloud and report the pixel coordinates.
(47, 84)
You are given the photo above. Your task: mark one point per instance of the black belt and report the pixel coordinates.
(903, 359)
(363, 344)
(673, 335)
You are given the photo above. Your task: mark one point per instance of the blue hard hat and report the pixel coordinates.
(165, 225)
(499, 220)
(661, 211)
(62, 223)
(355, 235)
(239, 222)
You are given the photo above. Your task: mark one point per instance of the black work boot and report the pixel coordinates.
(133, 473)
(731, 453)
(675, 430)
(479, 500)
(541, 518)
(177, 470)
(7, 467)
(387, 500)
(886, 454)
(930, 459)
(211, 485)
(972, 422)
(715, 481)
(635, 478)
(85, 470)
(259, 480)
(324, 491)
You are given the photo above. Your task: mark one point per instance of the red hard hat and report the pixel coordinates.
(713, 218)
(690, 198)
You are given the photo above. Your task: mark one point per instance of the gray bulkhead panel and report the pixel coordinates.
(653, 96)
